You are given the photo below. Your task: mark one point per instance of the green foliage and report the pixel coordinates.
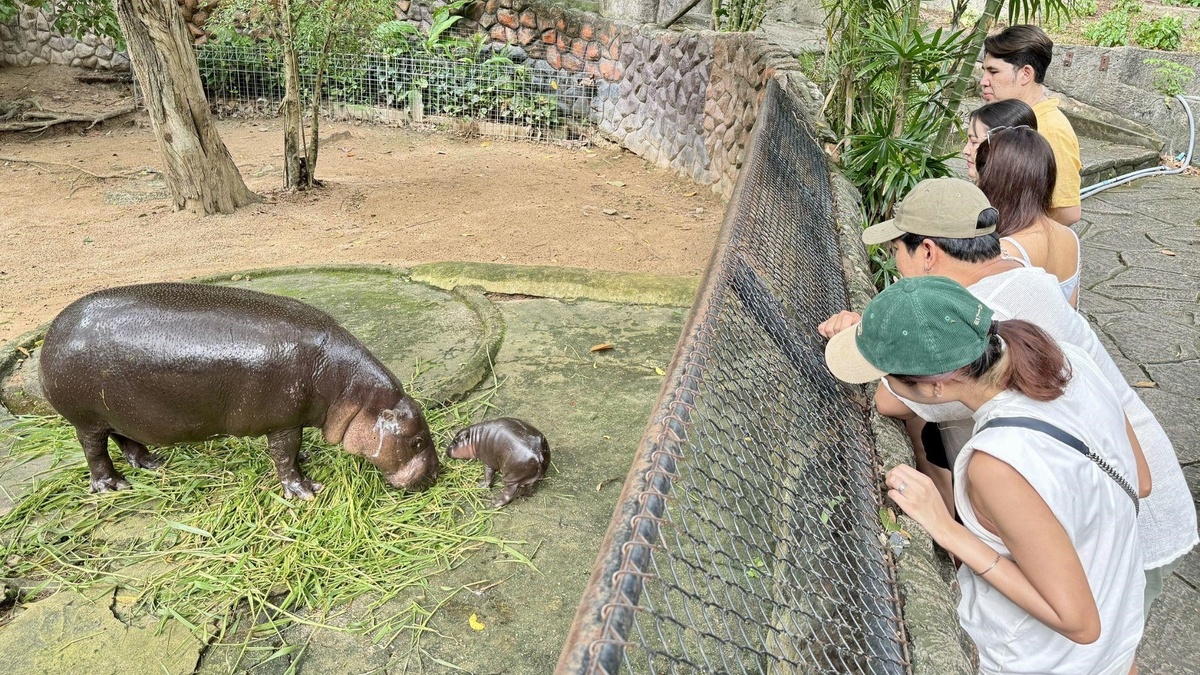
(1185, 3)
(738, 15)
(1169, 76)
(1085, 8)
(1165, 33)
(76, 18)
(1112, 30)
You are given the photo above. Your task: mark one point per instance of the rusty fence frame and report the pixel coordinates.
(600, 634)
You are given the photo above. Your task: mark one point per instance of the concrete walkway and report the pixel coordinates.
(1141, 282)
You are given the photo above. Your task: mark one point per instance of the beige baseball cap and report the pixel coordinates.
(938, 207)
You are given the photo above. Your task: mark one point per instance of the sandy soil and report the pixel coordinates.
(392, 196)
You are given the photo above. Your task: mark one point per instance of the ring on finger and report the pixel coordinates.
(901, 486)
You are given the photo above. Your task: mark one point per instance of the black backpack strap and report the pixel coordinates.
(1070, 441)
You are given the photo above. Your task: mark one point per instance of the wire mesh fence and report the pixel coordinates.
(748, 537)
(483, 95)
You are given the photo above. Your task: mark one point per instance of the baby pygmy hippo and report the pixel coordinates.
(508, 446)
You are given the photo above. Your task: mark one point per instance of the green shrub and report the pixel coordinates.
(1112, 30)
(1085, 8)
(1169, 76)
(1185, 3)
(1165, 32)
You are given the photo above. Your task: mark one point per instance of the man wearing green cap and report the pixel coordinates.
(943, 229)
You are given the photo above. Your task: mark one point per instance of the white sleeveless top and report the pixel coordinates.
(1096, 513)
(1167, 525)
(1068, 287)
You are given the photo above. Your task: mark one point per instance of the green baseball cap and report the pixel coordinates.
(938, 207)
(917, 326)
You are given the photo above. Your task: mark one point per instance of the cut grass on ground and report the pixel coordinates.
(211, 531)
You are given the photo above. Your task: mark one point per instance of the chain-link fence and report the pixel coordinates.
(485, 95)
(748, 537)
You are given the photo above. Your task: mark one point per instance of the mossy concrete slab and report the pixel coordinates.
(561, 282)
(69, 634)
(593, 409)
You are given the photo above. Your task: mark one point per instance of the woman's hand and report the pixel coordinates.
(838, 323)
(919, 498)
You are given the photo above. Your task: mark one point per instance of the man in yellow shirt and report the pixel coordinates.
(1014, 66)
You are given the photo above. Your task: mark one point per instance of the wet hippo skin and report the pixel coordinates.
(158, 364)
(507, 446)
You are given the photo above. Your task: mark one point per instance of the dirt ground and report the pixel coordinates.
(392, 196)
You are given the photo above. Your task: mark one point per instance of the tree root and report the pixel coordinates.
(100, 176)
(33, 121)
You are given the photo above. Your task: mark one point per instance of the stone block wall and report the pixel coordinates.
(28, 41)
(685, 101)
(1117, 80)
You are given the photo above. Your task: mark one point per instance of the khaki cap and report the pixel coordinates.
(938, 207)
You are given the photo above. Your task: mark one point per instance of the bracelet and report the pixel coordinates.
(989, 569)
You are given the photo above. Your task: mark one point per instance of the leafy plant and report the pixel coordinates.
(1085, 8)
(1112, 30)
(71, 17)
(1165, 33)
(1169, 76)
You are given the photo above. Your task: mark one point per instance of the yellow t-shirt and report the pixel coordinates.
(1055, 128)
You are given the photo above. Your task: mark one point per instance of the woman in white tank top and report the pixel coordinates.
(1051, 571)
(1017, 172)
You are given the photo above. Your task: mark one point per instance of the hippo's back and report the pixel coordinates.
(169, 362)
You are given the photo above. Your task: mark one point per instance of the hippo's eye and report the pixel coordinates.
(419, 444)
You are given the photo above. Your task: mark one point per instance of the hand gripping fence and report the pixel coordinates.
(747, 538)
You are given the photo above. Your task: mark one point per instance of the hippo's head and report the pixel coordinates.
(398, 442)
(461, 447)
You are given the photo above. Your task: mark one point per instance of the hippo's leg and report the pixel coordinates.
(489, 477)
(506, 495)
(284, 447)
(137, 455)
(104, 476)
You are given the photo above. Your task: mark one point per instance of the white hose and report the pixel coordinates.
(1153, 171)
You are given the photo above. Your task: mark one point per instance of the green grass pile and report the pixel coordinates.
(210, 532)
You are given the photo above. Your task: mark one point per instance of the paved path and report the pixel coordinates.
(1143, 302)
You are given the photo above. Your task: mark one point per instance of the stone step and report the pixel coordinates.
(1103, 159)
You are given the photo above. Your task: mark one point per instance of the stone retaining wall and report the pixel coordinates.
(28, 41)
(1117, 80)
(685, 101)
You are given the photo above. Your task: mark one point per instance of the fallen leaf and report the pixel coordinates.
(659, 371)
(603, 346)
(1146, 384)
(616, 183)
(691, 194)
(476, 624)
(23, 351)
(554, 85)
(441, 152)
(1167, 251)
(485, 144)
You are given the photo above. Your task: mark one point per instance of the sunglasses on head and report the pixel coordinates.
(996, 130)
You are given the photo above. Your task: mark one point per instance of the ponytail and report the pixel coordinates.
(1032, 363)
(1020, 357)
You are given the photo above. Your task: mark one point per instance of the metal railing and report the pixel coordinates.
(486, 94)
(748, 537)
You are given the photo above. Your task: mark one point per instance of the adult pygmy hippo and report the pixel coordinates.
(173, 362)
(508, 446)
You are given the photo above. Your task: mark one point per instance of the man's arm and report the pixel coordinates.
(1067, 215)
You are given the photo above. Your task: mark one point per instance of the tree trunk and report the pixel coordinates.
(295, 172)
(959, 88)
(198, 168)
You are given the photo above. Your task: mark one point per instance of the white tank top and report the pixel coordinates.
(1068, 287)
(1096, 513)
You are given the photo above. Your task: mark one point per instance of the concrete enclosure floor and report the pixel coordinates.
(592, 407)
